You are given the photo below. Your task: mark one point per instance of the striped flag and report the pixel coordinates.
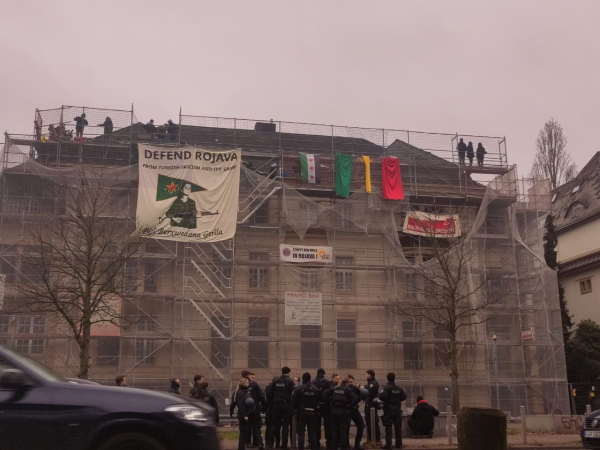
(310, 168)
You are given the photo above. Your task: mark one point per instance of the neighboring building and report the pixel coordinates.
(576, 211)
(216, 309)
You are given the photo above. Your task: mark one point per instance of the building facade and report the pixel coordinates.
(216, 309)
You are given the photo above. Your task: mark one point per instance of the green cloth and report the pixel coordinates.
(343, 174)
(183, 214)
(169, 187)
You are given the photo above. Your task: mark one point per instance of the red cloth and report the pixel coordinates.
(391, 179)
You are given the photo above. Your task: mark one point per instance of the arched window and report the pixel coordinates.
(575, 209)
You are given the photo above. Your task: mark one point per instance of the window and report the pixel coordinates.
(261, 215)
(146, 324)
(5, 342)
(308, 207)
(131, 274)
(444, 398)
(7, 267)
(4, 324)
(258, 351)
(259, 276)
(502, 327)
(107, 353)
(575, 209)
(343, 217)
(585, 286)
(412, 356)
(144, 352)
(30, 346)
(411, 329)
(346, 351)
(440, 332)
(344, 279)
(310, 351)
(150, 277)
(310, 280)
(222, 275)
(219, 346)
(442, 356)
(32, 324)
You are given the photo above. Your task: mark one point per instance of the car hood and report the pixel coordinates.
(115, 399)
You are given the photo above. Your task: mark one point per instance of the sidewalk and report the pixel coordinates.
(534, 441)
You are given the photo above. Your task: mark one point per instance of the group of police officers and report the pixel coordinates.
(334, 402)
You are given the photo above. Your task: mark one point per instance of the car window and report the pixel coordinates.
(32, 365)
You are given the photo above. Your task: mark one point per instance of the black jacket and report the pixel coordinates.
(423, 414)
(462, 149)
(470, 151)
(281, 390)
(373, 388)
(108, 126)
(257, 395)
(392, 395)
(306, 396)
(174, 389)
(480, 152)
(204, 396)
(323, 384)
(341, 397)
(80, 122)
(240, 401)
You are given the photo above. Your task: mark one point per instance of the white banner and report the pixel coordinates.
(188, 194)
(303, 308)
(304, 254)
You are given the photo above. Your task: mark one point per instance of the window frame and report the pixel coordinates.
(585, 286)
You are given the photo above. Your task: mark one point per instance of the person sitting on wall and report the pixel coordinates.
(422, 419)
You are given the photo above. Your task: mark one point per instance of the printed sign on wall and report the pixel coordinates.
(304, 254)
(303, 308)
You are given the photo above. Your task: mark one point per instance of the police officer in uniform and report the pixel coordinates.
(305, 402)
(323, 384)
(341, 399)
(355, 416)
(280, 396)
(392, 396)
(254, 419)
(373, 387)
(268, 410)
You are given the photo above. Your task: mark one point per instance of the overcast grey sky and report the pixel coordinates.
(477, 67)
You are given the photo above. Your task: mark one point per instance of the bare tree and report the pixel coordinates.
(445, 292)
(75, 268)
(552, 161)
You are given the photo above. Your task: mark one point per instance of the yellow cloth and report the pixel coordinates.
(367, 161)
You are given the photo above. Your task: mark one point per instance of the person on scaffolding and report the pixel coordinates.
(480, 154)
(150, 128)
(182, 211)
(470, 153)
(461, 148)
(172, 129)
(108, 125)
(80, 124)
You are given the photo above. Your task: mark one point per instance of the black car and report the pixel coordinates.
(590, 430)
(41, 411)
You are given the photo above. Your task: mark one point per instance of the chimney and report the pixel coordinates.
(265, 127)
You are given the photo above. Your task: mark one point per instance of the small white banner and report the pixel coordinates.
(304, 254)
(303, 308)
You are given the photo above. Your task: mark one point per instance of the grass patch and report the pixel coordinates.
(229, 435)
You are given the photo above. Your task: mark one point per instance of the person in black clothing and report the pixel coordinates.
(172, 129)
(461, 148)
(150, 128)
(255, 420)
(108, 125)
(197, 380)
(355, 416)
(392, 396)
(305, 401)
(121, 381)
(241, 395)
(80, 124)
(422, 419)
(480, 154)
(323, 384)
(470, 153)
(373, 387)
(175, 385)
(268, 410)
(201, 393)
(280, 396)
(341, 400)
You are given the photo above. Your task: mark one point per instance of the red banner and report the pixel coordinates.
(391, 179)
(431, 225)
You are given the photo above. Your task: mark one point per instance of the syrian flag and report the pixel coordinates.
(310, 168)
(169, 187)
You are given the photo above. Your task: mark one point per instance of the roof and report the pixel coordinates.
(587, 193)
(579, 265)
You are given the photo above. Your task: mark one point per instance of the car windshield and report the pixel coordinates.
(36, 367)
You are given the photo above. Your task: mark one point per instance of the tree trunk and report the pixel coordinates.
(454, 374)
(84, 351)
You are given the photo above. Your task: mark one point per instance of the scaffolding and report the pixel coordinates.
(216, 309)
